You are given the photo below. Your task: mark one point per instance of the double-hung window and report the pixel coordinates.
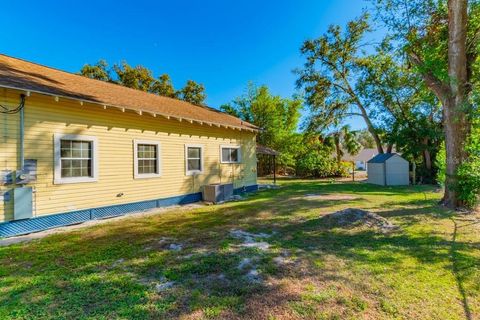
(230, 154)
(146, 159)
(193, 159)
(76, 159)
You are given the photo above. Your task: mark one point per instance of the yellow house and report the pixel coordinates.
(74, 149)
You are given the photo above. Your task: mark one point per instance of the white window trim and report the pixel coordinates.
(57, 178)
(231, 146)
(137, 175)
(202, 156)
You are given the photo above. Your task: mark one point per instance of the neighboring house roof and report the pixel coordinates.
(27, 76)
(266, 150)
(364, 155)
(381, 158)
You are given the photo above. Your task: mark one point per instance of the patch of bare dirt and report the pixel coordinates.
(353, 217)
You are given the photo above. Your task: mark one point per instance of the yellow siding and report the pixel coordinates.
(115, 131)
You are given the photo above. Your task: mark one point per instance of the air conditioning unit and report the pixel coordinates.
(217, 192)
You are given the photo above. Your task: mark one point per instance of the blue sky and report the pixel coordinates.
(222, 44)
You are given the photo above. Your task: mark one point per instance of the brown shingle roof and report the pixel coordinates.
(28, 76)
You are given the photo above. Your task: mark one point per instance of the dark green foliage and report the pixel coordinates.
(141, 78)
(330, 78)
(193, 92)
(98, 71)
(468, 172)
(421, 32)
(365, 139)
(316, 159)
(276, 116)
(137, 77)
(164, 87)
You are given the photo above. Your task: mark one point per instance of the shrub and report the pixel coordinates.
(468, 173)
(316, 164)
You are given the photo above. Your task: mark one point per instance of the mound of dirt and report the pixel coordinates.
(356, 217)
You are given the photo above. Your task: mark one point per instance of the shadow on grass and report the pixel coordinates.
(461, 268)
(79, 274)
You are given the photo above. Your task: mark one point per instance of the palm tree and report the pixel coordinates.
(343, 139)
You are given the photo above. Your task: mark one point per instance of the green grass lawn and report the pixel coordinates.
(302, 267)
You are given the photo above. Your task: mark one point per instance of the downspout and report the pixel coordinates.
(21, 134)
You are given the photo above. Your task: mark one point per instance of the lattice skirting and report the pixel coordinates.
(15, 228)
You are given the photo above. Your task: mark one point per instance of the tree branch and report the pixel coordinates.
(440, 89)
(354, 114)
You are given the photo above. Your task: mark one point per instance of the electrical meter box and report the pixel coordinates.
(28, 174)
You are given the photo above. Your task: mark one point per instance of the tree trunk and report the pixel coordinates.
(456, 123)
(427, 157)
(390, 148)
(376, 137)
(338, 148)
(365, 117)
(455, 136)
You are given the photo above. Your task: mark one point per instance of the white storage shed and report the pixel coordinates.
(388, 169)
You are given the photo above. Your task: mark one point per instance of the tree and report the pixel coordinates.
(441, 42)
(98, 71)
(163, 86)
(193, 92)
(141, 78)
(365, 139)
(137, 77)
(406, 111)
(278, 117)
(329, 77)
(343, 139)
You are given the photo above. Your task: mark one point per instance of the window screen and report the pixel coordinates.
(194, 159)
(147, 157)
(76, 158)
(230, 155)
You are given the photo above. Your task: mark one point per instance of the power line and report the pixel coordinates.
(6, 110)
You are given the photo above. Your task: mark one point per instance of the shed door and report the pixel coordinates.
(397, 172)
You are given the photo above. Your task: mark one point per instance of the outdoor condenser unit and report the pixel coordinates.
(217, 192)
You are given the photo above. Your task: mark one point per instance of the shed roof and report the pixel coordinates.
(27, 76)
(382, 157)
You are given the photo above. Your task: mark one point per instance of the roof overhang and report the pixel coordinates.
(82, 102)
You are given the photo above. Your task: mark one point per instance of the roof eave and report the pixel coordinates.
(123, 109)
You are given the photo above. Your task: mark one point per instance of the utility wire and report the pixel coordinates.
(6, 110)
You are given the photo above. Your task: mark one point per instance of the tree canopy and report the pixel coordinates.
(141, 78)
(277, 117)
(440, 40)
